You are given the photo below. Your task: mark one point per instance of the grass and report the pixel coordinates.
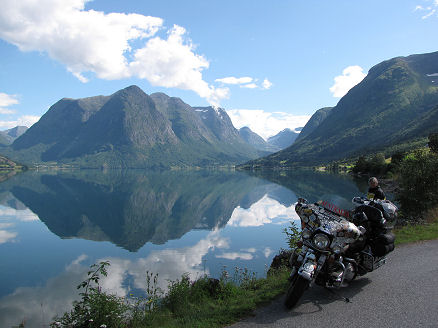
(417, 232)
(205, 302)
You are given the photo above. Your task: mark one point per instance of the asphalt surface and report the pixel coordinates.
(401, 293)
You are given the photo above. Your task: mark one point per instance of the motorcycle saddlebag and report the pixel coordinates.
(382, 249)
(383, 244)
(386, 238)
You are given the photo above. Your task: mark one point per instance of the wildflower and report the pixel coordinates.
(91, 320)
(103, 326)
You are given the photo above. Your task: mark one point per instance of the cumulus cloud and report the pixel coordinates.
(56, 296)
(6, 101)
(264, 123)
(351, 76)
(7, 236)
(235, 80)
(265, 211)
(24, 120)
(266, 84)
(89, 41)
(249, 86)
(235, 256)
(267, 252)
(245, 82)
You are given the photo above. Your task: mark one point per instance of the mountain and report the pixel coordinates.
(283, 139)
(393, 108)
(8, 136)
(131, 207)
(316, 119)
(131, 129)
(256, 141)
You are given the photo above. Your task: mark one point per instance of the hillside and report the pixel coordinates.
(8, 136)
(283, 139)
(256, 141)
(130, 129)
(394, 106)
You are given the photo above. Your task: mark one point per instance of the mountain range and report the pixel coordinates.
(394, 108)
(131, 129)
(133, 207)
(281, 140)
(7, 137)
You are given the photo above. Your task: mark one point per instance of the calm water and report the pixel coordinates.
(53, 225)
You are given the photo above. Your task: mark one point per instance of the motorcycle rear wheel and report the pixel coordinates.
(295, 291)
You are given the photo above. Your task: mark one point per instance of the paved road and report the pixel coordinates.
(402, 293)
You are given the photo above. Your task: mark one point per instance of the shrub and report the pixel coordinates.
(419, 182)
(433, 142)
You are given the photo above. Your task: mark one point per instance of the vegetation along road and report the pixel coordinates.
(402, 293)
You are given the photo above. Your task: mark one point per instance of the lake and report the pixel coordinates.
(55, 224)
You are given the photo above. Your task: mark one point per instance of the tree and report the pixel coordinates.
(433, 142)
(361, 165)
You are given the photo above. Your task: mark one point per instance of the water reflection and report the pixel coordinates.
(131, 208)
(168, 223)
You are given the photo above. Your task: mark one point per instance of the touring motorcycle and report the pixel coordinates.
(337, 245)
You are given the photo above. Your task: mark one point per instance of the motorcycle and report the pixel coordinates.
(337, 246)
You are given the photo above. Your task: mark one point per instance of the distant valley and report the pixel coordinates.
(393, 109)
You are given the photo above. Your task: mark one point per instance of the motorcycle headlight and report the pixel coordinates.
(321, 241)
(306, 234)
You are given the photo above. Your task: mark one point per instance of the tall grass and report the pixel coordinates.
(206, 302)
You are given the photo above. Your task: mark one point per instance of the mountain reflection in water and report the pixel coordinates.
(169, 223)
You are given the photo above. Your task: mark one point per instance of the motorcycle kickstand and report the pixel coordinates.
(345, 299)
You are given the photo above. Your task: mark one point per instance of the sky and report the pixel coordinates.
(270, 64)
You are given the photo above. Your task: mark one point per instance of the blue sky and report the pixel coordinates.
(269, 64)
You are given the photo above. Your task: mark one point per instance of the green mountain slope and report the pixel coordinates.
(396, 103)
(256, 141)
(130, 129)
(283, 139)
(8, 136)
(317, 118)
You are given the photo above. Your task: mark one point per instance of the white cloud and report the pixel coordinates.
(235, 80)
(428, 14)
(351, 76)
(265, 211)
(249, 86)
(172, 63)
(56, 296)
(245, 82)
(266, 124)
(6, 101)
(25, 215)
(235, 256)
(266, 84)
(267, 252)
(6, 236)
(92, 41)
(25, 120)
(429, 10)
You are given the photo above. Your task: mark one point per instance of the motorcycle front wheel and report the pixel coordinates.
(295, 291)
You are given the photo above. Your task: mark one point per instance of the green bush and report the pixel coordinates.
(433, 142)
(419, 182)
(375, 165)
